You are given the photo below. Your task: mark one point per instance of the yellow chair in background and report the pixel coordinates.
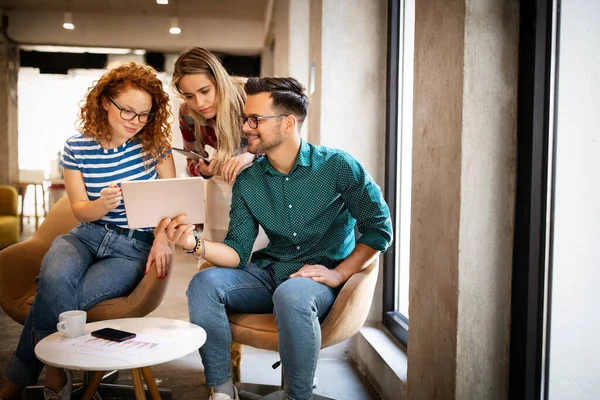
(9, 216)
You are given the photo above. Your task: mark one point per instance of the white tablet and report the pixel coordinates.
(149, 202)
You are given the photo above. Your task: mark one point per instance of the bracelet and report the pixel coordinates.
(196, 246)
(200, 250)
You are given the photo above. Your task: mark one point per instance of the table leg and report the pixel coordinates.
(23, 190)
(92, 387)
(37, 221)
(44, 199)
(152, 388)
(138, 385)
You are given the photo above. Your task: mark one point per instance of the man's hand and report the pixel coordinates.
(321, 274)
(162, 254)
(177, 232)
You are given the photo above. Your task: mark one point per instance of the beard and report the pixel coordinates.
(264, 146)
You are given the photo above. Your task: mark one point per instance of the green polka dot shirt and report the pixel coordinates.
(309, 215)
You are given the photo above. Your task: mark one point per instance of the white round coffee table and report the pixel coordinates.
(158, 340)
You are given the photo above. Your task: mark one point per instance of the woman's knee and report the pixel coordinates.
(57, 266)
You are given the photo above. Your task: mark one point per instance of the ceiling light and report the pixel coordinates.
(68, 21)
(162, 1)
(174, 29)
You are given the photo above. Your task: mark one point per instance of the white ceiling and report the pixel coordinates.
(254, 10)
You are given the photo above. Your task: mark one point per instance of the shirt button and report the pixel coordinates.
(290, 206)
(287, 179)
(297, 247)
(295, 233)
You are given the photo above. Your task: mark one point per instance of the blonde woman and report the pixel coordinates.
(210, 116)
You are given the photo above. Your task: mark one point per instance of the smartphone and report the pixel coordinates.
(192, 154)
(113, 334)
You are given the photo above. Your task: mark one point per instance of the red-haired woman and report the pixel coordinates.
(124, 135)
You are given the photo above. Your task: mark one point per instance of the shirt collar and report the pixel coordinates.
(303, 159)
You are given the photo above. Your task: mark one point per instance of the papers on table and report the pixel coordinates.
(87, 344)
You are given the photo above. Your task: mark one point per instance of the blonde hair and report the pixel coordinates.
(230, 97)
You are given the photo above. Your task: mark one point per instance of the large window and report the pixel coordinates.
(398, 163)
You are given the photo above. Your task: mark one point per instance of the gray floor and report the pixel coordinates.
(336, 376)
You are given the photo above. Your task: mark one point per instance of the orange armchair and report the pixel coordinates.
(9, 216)
(347, 315)
(20, 264)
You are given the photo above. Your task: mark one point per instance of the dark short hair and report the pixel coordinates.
(287, 94)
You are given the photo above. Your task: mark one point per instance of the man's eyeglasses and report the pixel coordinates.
(253, 119)
(128, 115)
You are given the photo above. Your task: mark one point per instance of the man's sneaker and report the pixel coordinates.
(65, 392)
(223, 396)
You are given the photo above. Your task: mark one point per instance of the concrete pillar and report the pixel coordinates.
(463, 188)
(347, 54)
(286, 48)
(267, 59)
(9, 145)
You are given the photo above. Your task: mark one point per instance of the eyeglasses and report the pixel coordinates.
(253, 119)
(128, 115)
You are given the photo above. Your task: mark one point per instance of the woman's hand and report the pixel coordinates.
(111, 196)
(161, 254)
(231, 168)
(321, 274)
(208, 169)
(177, 232)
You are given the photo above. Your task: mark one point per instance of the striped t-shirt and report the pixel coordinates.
(100, 167)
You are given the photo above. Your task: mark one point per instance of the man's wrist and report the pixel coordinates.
(193, 244)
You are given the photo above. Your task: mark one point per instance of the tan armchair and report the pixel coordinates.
(9, 216)
(20, 264)
(345, 318)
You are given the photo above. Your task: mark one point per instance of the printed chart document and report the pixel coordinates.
(93, 346)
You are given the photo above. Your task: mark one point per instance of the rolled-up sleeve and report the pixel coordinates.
(243, 228)
(365, 203)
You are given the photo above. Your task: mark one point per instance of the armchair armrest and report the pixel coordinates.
(9, 201)
(144, 299)
(351, 306)
(19, 266)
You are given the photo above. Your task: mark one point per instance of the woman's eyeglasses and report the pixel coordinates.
(253, 119)
(128, 115)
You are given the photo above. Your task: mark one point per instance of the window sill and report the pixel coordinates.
(382, 359)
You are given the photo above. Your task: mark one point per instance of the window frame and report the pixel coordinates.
(393, 320)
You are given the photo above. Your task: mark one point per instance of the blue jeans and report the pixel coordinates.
(299, 305)
(88, 265)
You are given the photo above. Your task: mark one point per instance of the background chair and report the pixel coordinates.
(9, 216)
(346, 317)
(20, 264)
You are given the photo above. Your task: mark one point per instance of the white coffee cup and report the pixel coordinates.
(71, 323)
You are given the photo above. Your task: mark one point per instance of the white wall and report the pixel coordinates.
(574, 345)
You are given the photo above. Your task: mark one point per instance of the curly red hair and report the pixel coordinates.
(155, 136)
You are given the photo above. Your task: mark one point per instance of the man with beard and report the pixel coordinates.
(309, 200)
